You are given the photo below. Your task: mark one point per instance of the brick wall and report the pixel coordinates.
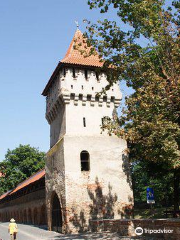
(127, 227)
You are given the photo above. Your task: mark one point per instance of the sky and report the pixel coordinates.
(34, 36)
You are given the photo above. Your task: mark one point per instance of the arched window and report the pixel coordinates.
(85, 161)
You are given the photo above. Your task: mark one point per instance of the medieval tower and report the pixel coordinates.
(87, 175)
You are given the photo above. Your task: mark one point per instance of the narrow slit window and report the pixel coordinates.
(86, 74)
(80, 97)
(96, 98)
(84, 121)
(88, 97)
(102, 121)
(71, 86)
(97, 76)
(74, 73)
(112, 99)
(72, 96)
(105, 99)
(85, 161)
(64, 72)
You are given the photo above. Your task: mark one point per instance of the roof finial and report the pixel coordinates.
(77, 25)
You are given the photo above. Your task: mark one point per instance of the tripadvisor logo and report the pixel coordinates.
(139, 231)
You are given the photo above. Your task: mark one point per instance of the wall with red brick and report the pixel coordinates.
(127, 227)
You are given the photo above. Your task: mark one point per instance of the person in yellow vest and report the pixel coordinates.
(13, 229)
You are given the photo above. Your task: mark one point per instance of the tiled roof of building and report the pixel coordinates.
(77, 50)
(76, 57)
(37, 176)
(30, 180)
(4, 195)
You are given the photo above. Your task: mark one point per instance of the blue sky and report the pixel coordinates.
(34, 36)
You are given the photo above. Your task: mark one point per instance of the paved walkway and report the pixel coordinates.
(28, 232)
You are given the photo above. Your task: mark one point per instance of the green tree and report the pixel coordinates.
(19, 164)
(151, 120)
(144, 176)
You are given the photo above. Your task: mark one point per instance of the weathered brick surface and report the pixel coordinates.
(75, 115)
(127, 227)
(55, 181)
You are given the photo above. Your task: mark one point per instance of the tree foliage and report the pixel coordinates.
(144, 176)
(151, 120)
(19, 164)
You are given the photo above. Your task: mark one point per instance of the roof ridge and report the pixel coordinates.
(21, 184)
(43, 169)
(76, 55)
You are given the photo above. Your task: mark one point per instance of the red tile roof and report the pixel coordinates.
(74, 55)
(37, 176)
(4, 195)
(30, 180)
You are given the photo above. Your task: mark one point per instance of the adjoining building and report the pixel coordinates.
(26, 202)
(87, 174)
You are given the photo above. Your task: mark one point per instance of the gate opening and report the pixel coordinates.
(56, 215)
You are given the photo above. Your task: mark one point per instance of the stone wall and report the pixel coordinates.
(55, 181)
(171, 227)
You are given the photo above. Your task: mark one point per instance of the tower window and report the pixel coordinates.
(88, 97)
(64, 72)
(84, 121)
(74, 73)
(80, 97)
(112, 99)
(105, 99)
(92, 88)
(86, 74)
(97, 76)
(72, 96)
(85, 161)
(82, 87)
(71, 86)
(96, 98)
(102, 121)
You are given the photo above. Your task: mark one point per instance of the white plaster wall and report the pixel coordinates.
(91, 86)
(53, 92)
(92, 114)
(106, 165)
(71, 122)
(58, 126)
